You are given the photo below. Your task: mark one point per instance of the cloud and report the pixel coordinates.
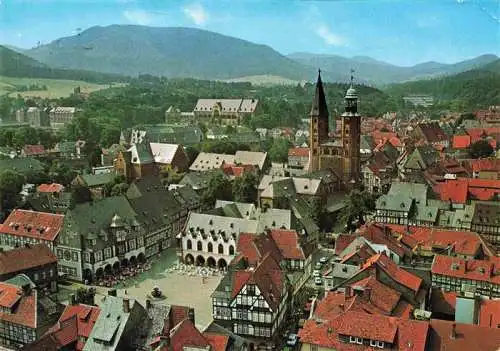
(196, 13)
(19, 35)
(329, 37)
(140, 17)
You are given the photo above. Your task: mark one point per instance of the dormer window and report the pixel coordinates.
(355, 340)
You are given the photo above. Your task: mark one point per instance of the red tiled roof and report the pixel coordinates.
(217, 341)
(342, 241)
(405, 334)
(463, 242)
(489, 313)
(246, 247)
(24, 311)
(432, 132)
(31, 150)
(25, 258)
(177, 314)
(381, 295)
(395, 141)
(452, 190)
(237, 171)
(379, 136)
(403, 277)
(50, 188)
(486, 164)
(468, 337)
(299, 151)
(461, 141)
(185, 335)
(255, 247)
(84, 315)
(67, 332)
(377, 234)
(38, 225)
(442, 301)
(288, 244)
(478, 270)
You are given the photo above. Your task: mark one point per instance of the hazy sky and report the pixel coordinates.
(402, 32)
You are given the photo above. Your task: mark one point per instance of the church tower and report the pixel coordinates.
(350, 137)
(318, 125)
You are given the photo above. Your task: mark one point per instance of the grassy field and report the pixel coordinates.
(55, 87)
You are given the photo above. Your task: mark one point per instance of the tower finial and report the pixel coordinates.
(352, 77)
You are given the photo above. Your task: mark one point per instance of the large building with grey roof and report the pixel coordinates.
(225, 111)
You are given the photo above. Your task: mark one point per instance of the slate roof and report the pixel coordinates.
(228, 225)
(96, 180)
(401, 196)
(199, 180)
(111, 324)
(141, 154)
(32, 224)
(25, 258)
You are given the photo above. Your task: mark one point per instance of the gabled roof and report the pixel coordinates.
(299, 151)
(185, 335)
(22, 306)
(164, 153)
(268, 276)
(478, 270)
(38, 225)
(250, 158)
(432, 132)
(288, 244)
(141, 154)
(217, 341)
(207, 161)
(25, 258)
(401, 276)
(405, 335)
(92, 180)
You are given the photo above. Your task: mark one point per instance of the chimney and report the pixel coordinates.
(112, 292)
(126, 305)
(72, 299)
(453, 334)
(191, 315)
(148, 304)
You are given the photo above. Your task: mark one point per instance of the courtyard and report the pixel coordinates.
(178, 287)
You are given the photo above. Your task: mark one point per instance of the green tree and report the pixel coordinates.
(481, 149)
(61, 173)
(11, 184)
(119, 189)
(80, 193)
(245, 188)
(115, 186)
(278, 151)
(219, 188)
(358, 204)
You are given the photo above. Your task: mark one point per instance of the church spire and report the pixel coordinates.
(319, 107)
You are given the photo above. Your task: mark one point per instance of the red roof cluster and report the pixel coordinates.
(50, 188)
(451, 336)
(432, 132)
(462, 242)
(460, 189)
(486, 164)
(184, 335)
(288, 244)
(299, 151)
(461, 141)
(401, 276)
(33, 224)
(489, 313)
(379, 136)
(25, 258)
(85, 317)
(33, 150)
(217, 341)
(22, 306)
(403, 334)
(478, 270)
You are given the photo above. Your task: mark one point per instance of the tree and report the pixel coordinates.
(115, 187)
(245, 188)
(11, 184)
(481, 149)
(85, 296)
(358, 203)
(219, 188)
(279, 150)
(119, 189)
(81, 194)
(61, 173)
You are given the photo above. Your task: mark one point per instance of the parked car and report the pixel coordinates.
(292, 339)
(318, 281)
(316, 273)
(323, 260)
